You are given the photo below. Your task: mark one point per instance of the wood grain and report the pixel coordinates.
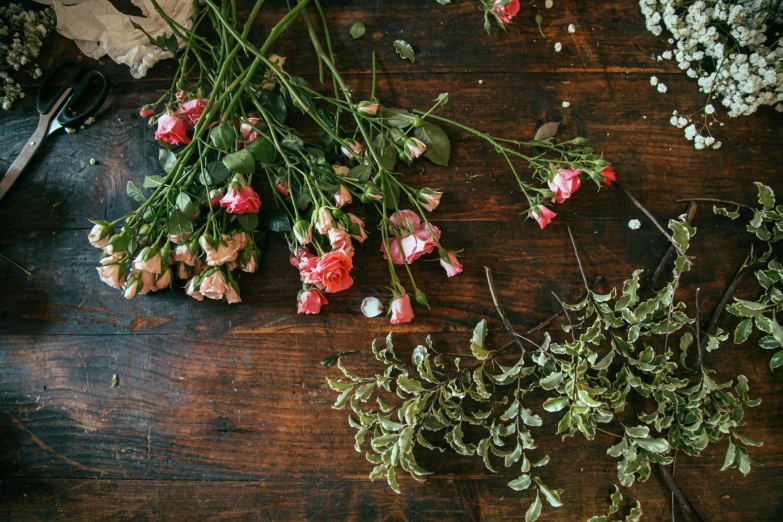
(222, 412)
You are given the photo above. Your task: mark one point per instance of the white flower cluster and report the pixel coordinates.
(21, 36)
(723, 44)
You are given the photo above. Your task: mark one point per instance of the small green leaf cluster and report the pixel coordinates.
(766, 225)
(633, 516)
(624, 365)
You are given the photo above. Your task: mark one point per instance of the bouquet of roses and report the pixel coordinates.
(224, 127)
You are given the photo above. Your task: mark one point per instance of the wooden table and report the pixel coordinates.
(223, 411)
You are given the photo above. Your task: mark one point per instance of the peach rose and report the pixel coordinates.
(310, 302)
(429, 199)
(112, 272)
(341, 240)
(164, 279)
(100, 235)
(325, 221)
(353, 150)
(232, 294)
(192, 290)
(182, 254)
(213, 285)
(333, 271)
(343, 197)
(359, 222)
(150, 263)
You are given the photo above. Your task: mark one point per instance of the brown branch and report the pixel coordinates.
(578, 261)
(501, 313)
(699, 366)
(711, 200)
(689, 215)
(679, 494)
(655, 222)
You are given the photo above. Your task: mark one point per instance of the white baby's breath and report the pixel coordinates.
(571, 28)
(558, 47)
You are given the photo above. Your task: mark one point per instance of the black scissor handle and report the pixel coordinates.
(48, 94)
(92, 83)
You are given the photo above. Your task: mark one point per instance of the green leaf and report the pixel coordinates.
(438, 144)
(357, 30)
(329, 360)
(184, 203)
(587, 400)
(262, 150)
(547, 131)
(222, 135)
(241, 162)
(167, 159)
(552, 381)
(361, 173)
(405, 50)
(766, 196)
(637, 432)
(217, 173)
(743, 331)
(152, 182)
(653, 445)
(720, 211)
(477, 343)
(275, 219)
(731, 457)
(555, 403)
(777, 360)
(520, 483)
(534, 511)
(248, 222)
(553, 497)
(409, 385)
(135, 192)
(171, 44)
(398, 118)
(530, 418)
(179, 223)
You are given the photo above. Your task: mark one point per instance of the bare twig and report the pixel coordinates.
(655, 222)
(501, 313)
(711, 200)
(725, 299)
(17, 265)
(698, 367)
(579, 261)
(679, 494)
(689, 215)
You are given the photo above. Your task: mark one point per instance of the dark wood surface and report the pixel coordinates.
(223, 412)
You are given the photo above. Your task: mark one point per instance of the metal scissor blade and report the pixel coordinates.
(31, 146)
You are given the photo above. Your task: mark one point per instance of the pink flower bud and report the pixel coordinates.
(366, 107)
(451, 264)
(355, 150)
(310, 302)
(112, 272)
(241, 201)
(324, 223)
(192, 289)
(181, 95)
(343, 197)
(542, 215)
(303, 232)
(145, 112)
(401, 310)
(100, 235)
(609, 175)
(414, 147)
(429, 199)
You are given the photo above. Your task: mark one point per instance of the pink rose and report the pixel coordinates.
(414, 147)
(177, 239)
(416, 239)
(181, 95)
(333, 270)
(543, 215)
(214, 285)
(608, 175)
(246, 129)
(451, 264)
(148, 280)
(508, 11)
(310, 302)
(343, 197)
(242, 201)
(565, 183)
(401, 310)
(193, 291)
(183, 255)
(341, 240)
(191, 111)
(112, 272)
(307, 264)
(429, 199)
(353, 150)
(172, 130)
(282, 188)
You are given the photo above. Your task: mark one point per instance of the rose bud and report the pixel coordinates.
(303, 232)
(112, 272)
(232, 293)
(366, 107)
(341, 241)
(543, 215)
(310, 302)
(341, 170)
(149, 259)
(144, 112)
(343, 197)
(282, 188)
(450, 263)
(421, 298)
(100, 235)
(371, 194)
(401, 310)
(608, 174)
(215, 196)
(429, 198)
(248, 259)
(164, 279)
(192, 289)
(414, 148)
(356, 229)
(132, 287)
(506, 12)
(181, 95)
(372, 307)
(324, 222)
(354, 151)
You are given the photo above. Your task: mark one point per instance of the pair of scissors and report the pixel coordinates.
(56, 105)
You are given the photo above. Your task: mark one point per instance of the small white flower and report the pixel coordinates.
(709, 109)
(571, 28)
(653, 80)
(566, 104)
(634, 224)
(716, 145)
(372, 307)
(548, 4)
(662, 88)
(558, 47)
